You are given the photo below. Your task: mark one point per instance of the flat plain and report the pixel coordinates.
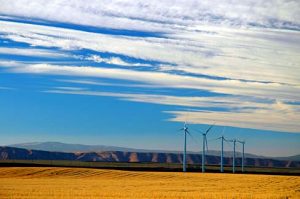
(53, 182)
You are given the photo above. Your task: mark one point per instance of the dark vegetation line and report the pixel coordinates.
(139, 166)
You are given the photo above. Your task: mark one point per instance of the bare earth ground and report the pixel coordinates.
(48, 182)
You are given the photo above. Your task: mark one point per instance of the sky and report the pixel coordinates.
(130, 73)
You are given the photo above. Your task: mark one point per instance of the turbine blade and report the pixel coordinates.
(206, 144)
(191, 136)
(209, 128)
(188, 132)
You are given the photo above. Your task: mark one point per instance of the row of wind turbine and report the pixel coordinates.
(204, 145)
(205, 148)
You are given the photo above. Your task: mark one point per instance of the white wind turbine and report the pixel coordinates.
(222, 150)
(204, 146)
(243, 157)
(185, 131)
(233, 159)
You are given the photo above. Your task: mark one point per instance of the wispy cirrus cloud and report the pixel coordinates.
(33, 52)
(184, 101)
(99, 83)
(241, 113)
(232, 54)
(233, 87)
(158, 15)
(114, 61)
(268, 119)
(246, 51)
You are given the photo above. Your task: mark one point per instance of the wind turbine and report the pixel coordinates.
(222, 150)
(233, 161)
(205, 145)
(243, 157)
(185, 130)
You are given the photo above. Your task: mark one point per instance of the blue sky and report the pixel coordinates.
(131, 73)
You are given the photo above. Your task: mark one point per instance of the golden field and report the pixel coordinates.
(48, 182)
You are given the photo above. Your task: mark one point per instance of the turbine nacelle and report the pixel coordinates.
(185, 128)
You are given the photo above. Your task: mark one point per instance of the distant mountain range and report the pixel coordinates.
(73, 148)
(13, 153)
(63, 147)
(293, 158)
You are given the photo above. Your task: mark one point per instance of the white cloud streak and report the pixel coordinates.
(234, 87)
(280, 116)
(32, 52)
(158, 15)
(196, 102)
(234, 54)
(99, 83)
(269, 119)
(114, 61)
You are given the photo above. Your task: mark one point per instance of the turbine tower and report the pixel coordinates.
(222, 152)
(185, 130)
(204, 145)
(243, 157)
(233, 161)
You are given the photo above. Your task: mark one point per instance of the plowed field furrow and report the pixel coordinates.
(72, 183)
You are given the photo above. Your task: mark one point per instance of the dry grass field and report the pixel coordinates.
(47, 182)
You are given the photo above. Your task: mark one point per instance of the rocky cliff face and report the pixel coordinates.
(7, 153)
